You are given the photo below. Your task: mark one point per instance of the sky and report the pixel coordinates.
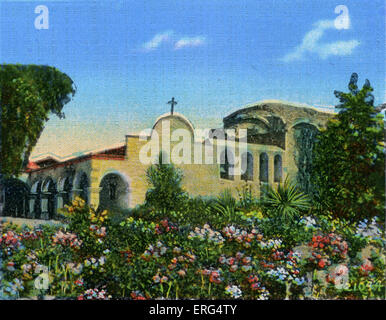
(128, 58)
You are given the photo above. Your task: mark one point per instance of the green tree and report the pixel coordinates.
(165, 192)
(28, 95)
(348, 164)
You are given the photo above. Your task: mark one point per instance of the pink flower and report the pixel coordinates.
(366, 267)
(233, 268)
(341, 270)
(181, 273)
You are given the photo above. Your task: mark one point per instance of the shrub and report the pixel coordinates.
(286, 202)
(165, 190)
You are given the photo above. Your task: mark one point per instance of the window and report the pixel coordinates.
(247, 165)
(226, 165)
(278, 168)
(264, 167)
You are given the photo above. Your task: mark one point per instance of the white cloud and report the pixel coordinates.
(157, 40)
(189, 42)
(311, 44)
(170, 37)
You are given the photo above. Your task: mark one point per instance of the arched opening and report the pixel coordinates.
(49, 198)
(65, 189)
(278, 168)
(15, 198)
(264, 173)
(247, 165)
(35, 207)
(82, 187)
(114, 192)
(227, 165)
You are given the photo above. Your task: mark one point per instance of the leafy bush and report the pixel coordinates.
(165, 190)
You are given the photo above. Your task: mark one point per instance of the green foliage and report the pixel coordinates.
(225, 205)
(349, 163)
(183, 255)
(247, 200)
(286, 202)
(165, 190)
(28, 94)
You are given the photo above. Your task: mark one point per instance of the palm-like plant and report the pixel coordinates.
(225, 204)
(287, 201)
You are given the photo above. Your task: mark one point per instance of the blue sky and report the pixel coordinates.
(128, 58)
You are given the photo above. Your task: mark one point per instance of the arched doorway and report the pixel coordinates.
(114, 192)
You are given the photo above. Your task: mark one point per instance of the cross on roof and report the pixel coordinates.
(172, 103)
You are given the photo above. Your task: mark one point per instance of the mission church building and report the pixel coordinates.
(279, 143)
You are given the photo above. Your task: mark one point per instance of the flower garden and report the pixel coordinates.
(224, 248)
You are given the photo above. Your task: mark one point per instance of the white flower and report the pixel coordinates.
(234, 291)
(370, 230)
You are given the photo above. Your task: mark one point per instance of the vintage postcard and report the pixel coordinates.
(192, 150)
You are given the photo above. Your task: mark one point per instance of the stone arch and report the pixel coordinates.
(264, 167)
(247, 165)
(49, 198)
(114, 191)
(81, 185)
(255, 124)
(306, 121)
(65, 187)
(35, 208)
